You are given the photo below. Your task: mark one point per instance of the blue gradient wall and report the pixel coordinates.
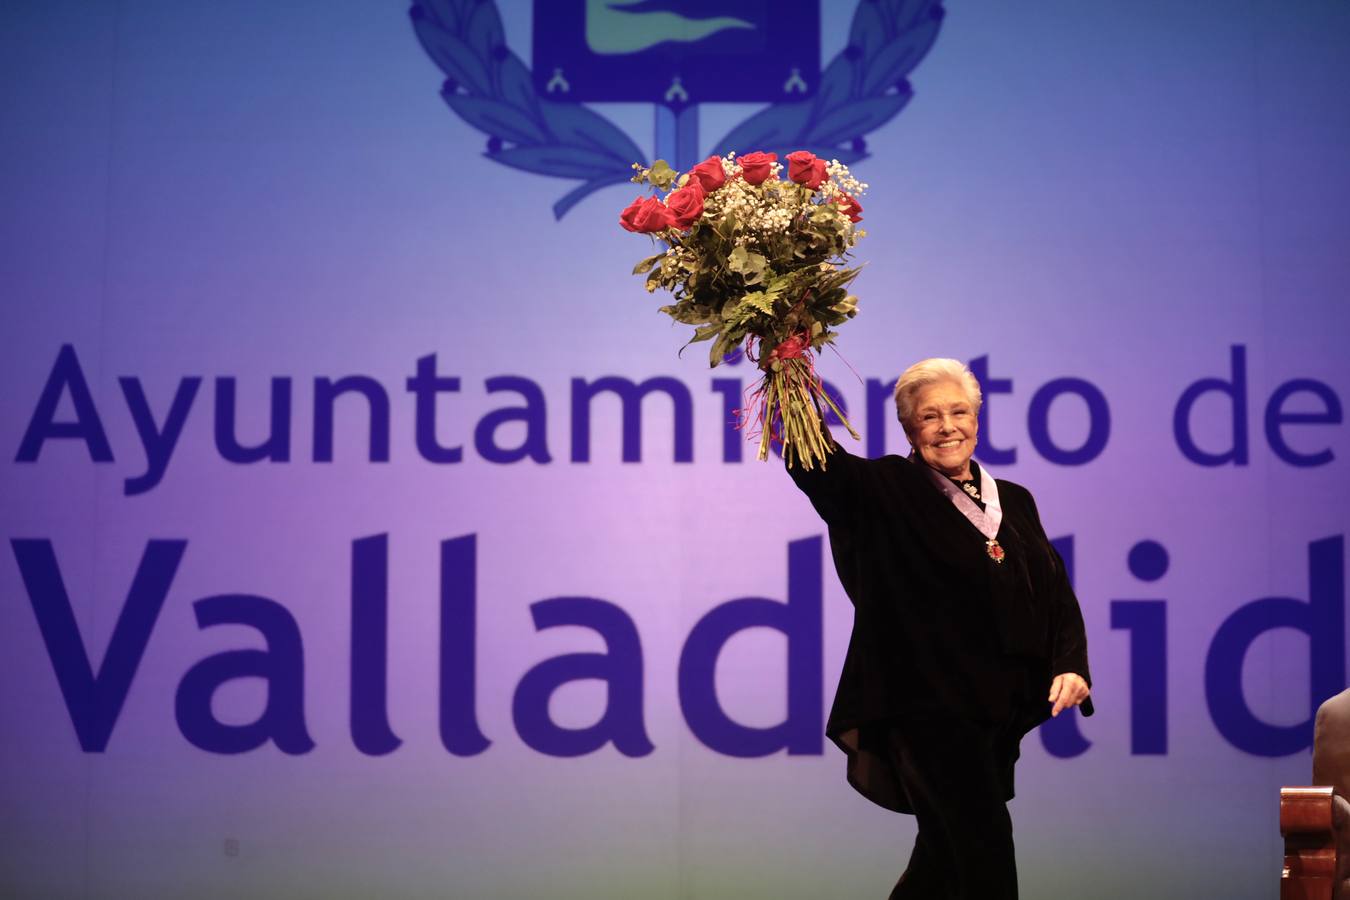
(1137, 197)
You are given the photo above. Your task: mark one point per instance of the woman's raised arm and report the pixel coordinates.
(833, 485)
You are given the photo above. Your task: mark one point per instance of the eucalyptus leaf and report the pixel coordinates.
(705, 332)
(749, 265)
(720, 348)
(646, 264)
(661, 174)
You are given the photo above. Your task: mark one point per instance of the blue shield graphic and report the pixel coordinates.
(676, 52)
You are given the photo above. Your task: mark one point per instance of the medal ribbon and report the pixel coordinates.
(986, 520)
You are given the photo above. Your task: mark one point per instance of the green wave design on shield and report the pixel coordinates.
(610, 31)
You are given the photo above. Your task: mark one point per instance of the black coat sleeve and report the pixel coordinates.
(833, 488)
(1068, 636)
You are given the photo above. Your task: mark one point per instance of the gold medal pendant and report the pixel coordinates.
(994, 550)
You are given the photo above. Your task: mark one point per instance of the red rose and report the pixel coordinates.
(645, 215)
(850, 207)
(709, 174)
(804, 167)
(686, 204)
(755, 166)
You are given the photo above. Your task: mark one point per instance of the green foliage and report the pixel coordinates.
(646, 265)
(661, 175)
(747, 264)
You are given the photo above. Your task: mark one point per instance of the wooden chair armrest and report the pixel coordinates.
(1309, 843)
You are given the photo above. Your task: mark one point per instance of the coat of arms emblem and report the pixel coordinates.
(674, 54)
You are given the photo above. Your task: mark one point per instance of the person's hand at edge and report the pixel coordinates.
(1068, 689)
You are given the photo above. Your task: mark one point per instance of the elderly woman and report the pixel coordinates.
(966, 634)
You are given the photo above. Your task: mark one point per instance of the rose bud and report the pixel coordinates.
(709, 174)
(685, 205)
(645, 215)
(805, 168)
(755, 166)
(850, 207)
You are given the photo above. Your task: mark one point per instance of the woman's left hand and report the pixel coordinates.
(1067, 690)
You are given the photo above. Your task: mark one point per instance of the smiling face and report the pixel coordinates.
(943, 428)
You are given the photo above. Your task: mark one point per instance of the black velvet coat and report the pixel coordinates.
(939, 628)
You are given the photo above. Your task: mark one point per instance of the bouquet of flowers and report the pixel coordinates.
(753, 258)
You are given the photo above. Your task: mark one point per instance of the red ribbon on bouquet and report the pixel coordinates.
(794, 347)
(797, 346)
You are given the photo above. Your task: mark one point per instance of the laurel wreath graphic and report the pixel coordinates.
(488, 86)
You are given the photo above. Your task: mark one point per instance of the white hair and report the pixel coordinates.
(931, 371)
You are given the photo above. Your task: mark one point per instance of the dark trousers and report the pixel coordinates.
(957, 776)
